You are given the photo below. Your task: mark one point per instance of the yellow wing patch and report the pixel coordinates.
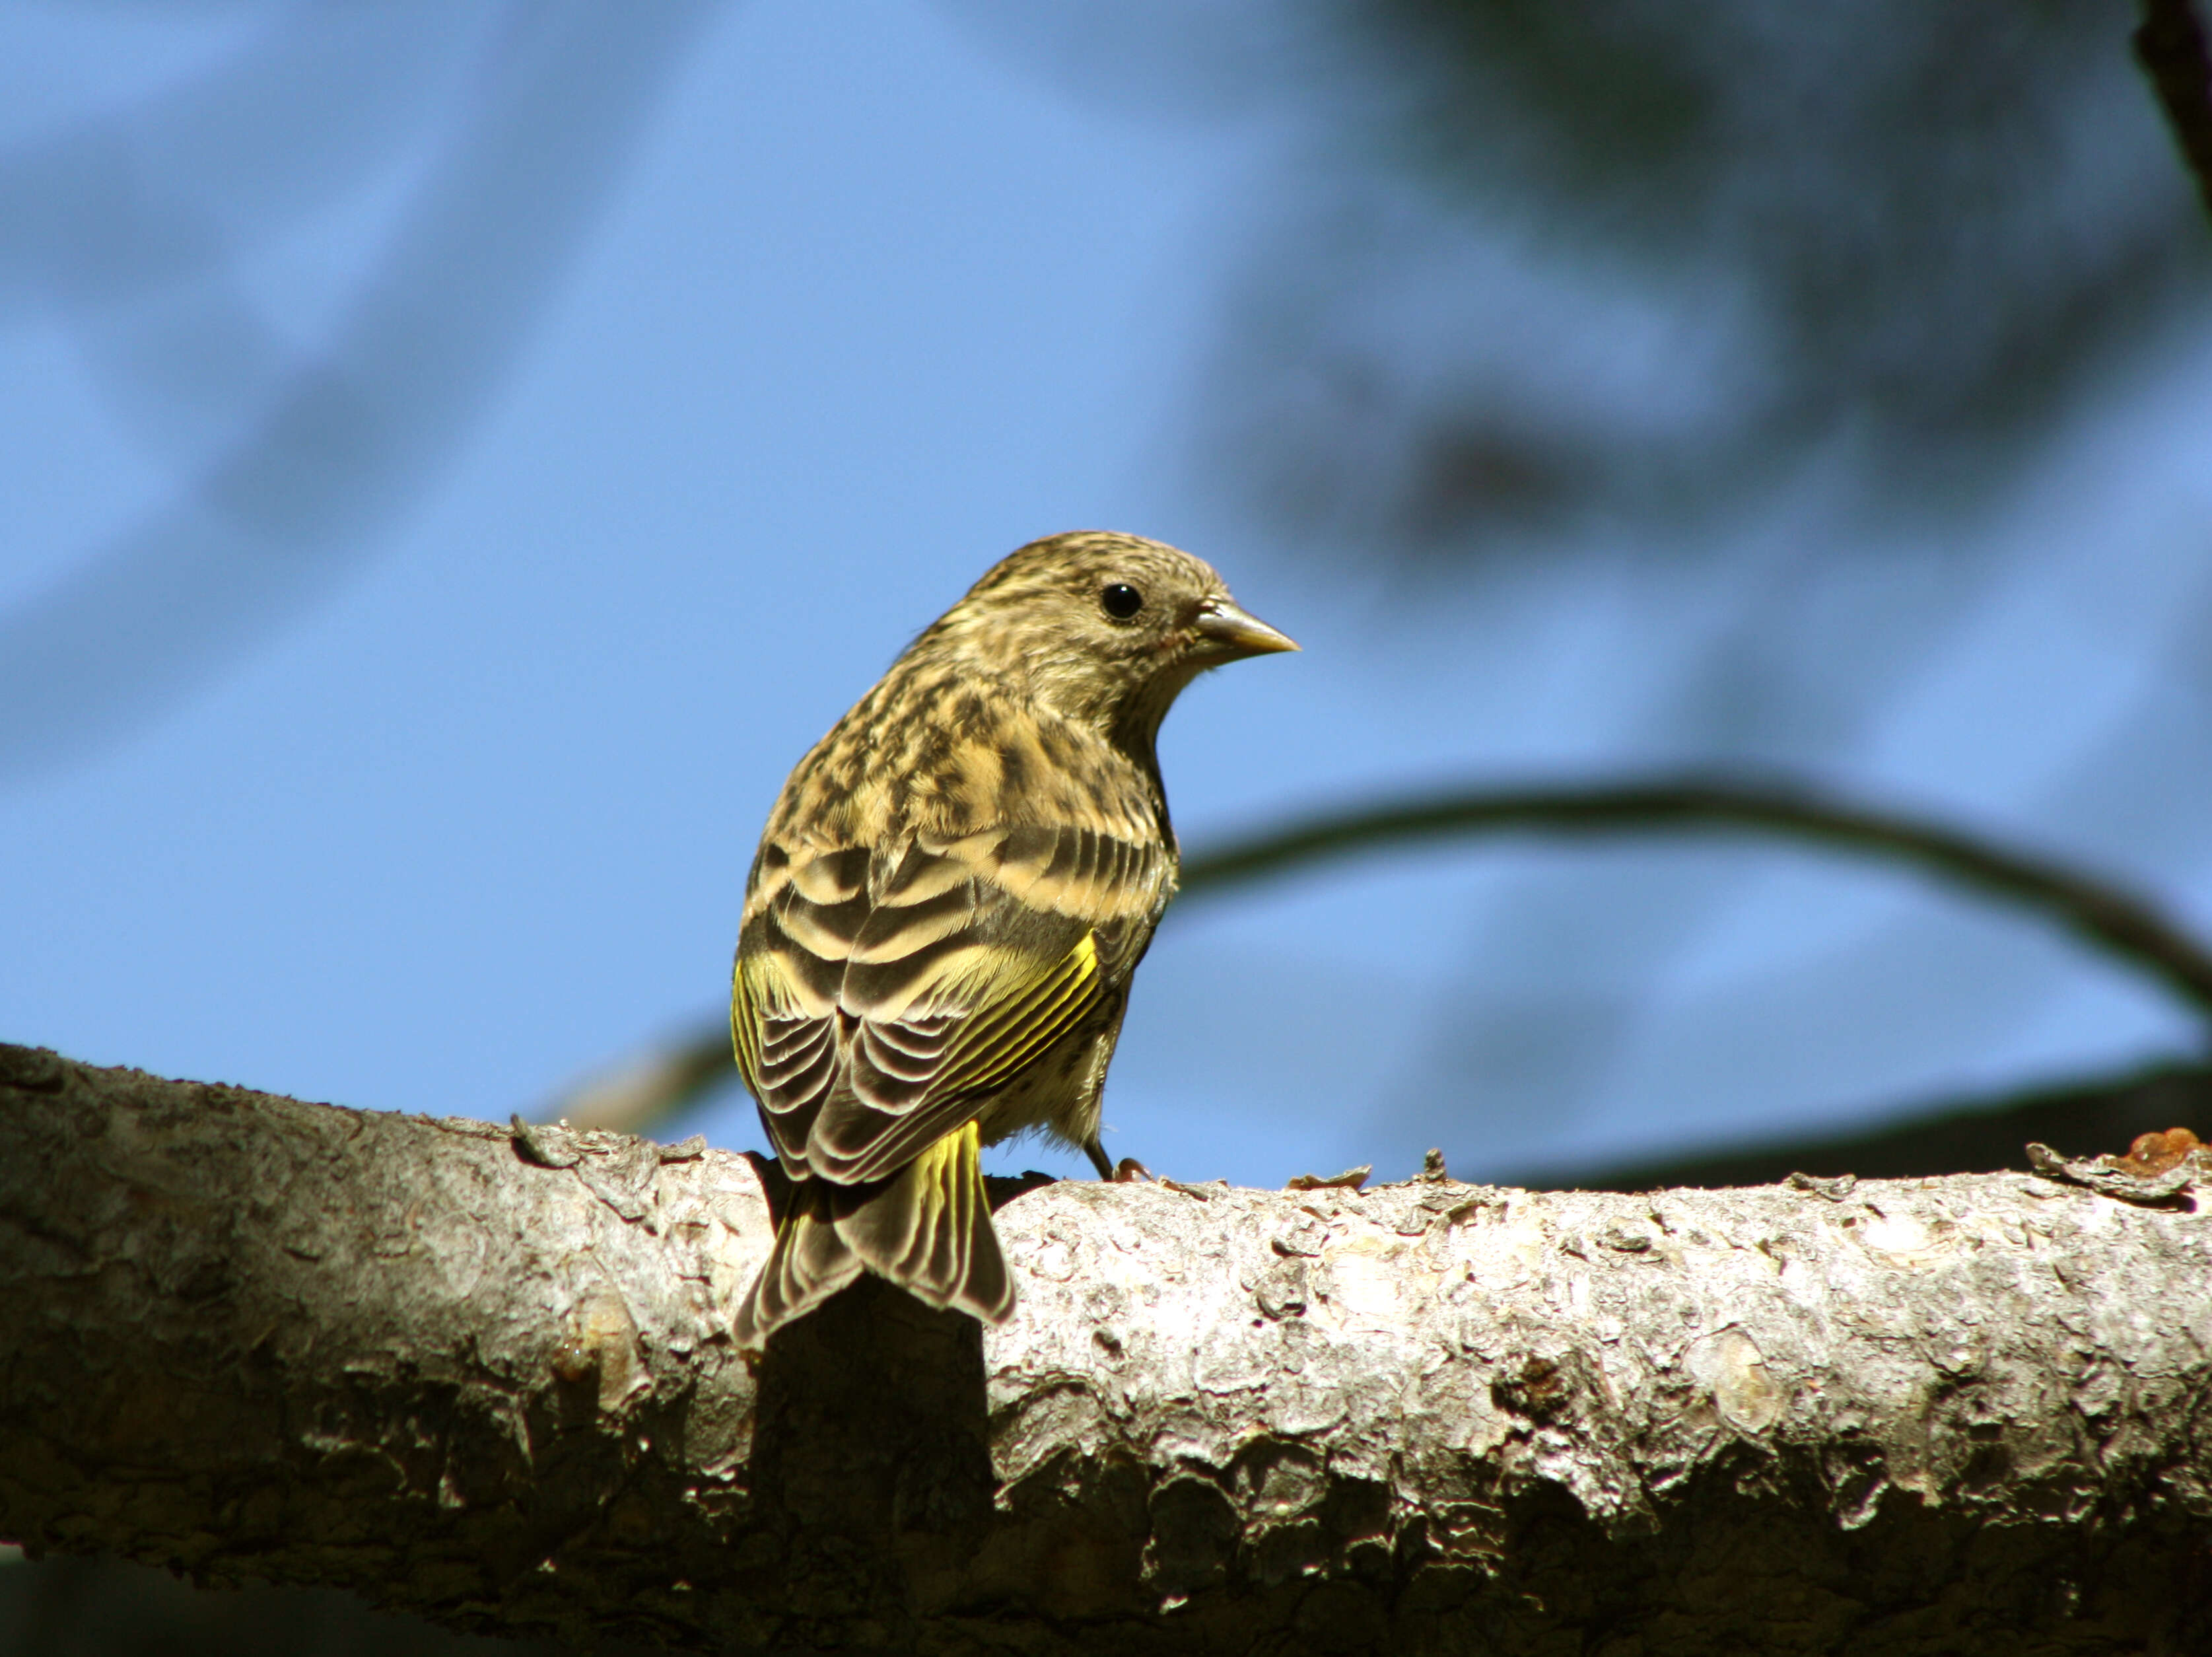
(884, 990)
(1000, 1039)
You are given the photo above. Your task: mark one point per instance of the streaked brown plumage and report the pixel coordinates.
(948, 901)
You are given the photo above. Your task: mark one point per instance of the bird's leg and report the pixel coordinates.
(1127, 1172)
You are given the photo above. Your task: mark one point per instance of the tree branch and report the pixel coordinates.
(1941, 1136)
(2125, 928)
(2114, 921)
(2170, 46)
(249, 1337)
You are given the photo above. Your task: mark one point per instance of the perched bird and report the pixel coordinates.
(947, 904)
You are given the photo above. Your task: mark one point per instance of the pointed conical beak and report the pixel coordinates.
(1230, 632)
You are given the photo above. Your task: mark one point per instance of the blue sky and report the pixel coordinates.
(875, 297)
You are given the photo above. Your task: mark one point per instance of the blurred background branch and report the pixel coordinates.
(2170, 46)
(479, 145)
(2127, 928)
(2092, 1117)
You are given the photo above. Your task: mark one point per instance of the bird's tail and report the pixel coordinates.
(928, 1228)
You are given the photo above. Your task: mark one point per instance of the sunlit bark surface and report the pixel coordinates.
(487, 1377)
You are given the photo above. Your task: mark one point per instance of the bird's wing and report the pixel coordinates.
(879, 997)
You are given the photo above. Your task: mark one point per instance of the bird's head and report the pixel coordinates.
(1103, 628)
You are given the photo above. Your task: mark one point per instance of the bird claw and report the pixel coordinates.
(1128, 1171)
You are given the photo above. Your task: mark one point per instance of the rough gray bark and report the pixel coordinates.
(251, 1337)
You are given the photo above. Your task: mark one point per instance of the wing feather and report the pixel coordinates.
(878, 996)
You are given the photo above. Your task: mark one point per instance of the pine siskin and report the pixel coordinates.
(946, 906)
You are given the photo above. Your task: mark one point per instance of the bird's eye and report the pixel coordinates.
(1120, 601)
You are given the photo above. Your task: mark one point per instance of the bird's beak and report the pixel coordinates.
(1230, 632)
